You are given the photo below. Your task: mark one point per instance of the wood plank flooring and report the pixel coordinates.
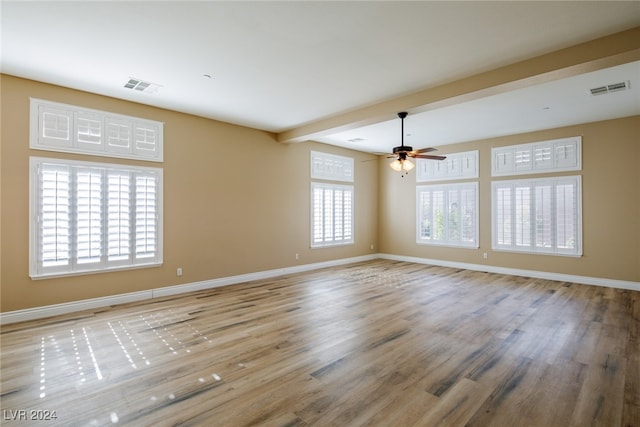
(379, 343)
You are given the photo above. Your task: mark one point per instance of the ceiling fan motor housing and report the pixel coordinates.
(402, 149)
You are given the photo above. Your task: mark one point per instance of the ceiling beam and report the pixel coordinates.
(605, 52)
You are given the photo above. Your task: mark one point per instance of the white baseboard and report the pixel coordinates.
(71, 307)
(585, 280)
(89, 304)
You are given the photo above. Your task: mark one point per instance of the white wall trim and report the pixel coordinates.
(89, 304)
(71, 307)
(585, 280)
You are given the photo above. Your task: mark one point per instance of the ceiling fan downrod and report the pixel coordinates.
(402, 147)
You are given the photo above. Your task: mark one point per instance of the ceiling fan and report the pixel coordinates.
(401, 163)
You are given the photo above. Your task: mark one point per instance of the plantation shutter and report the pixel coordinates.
(566, 217)
(67, 128)
(89, 132)
(538, 215)
(54, 126)
(54, 216)
(522, 204)
(89, 210)
(118, 216)
(332, 213)
(146, 214)
(447, 214)
(543, 216)
(91, 217)
(502, 214)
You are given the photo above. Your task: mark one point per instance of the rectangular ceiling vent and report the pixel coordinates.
(141, 86)
(615, 87)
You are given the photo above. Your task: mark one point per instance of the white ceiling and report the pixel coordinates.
(279, 65)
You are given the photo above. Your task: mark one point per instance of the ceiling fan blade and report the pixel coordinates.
(425, 150)
(428, 156)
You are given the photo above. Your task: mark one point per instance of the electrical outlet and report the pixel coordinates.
(297, 256)
(485, 256)
(179, 271)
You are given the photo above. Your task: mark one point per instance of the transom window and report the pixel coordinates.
(72, 129)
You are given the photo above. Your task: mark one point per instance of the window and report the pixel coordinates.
(556, 155)
(331, 167)
(538, 215)
(447, 214)
(331, 204)
(455, 166)
(71, 129)
(93, 217)
(332, 214)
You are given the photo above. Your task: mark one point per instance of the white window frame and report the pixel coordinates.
(456, 166)
(335, 226)
(331, 167)
(452, 196)
(517, 228)
(104, 232)
(71, 129)
(556, 155)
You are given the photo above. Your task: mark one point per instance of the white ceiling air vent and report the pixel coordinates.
(615, 87)
(141, 86)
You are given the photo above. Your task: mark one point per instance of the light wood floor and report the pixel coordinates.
(379, 343)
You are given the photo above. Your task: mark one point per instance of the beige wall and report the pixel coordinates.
(223, 219)
(610, 200)
(236, 201)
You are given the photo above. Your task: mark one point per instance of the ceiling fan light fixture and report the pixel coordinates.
(399, 165)
(396, 165)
